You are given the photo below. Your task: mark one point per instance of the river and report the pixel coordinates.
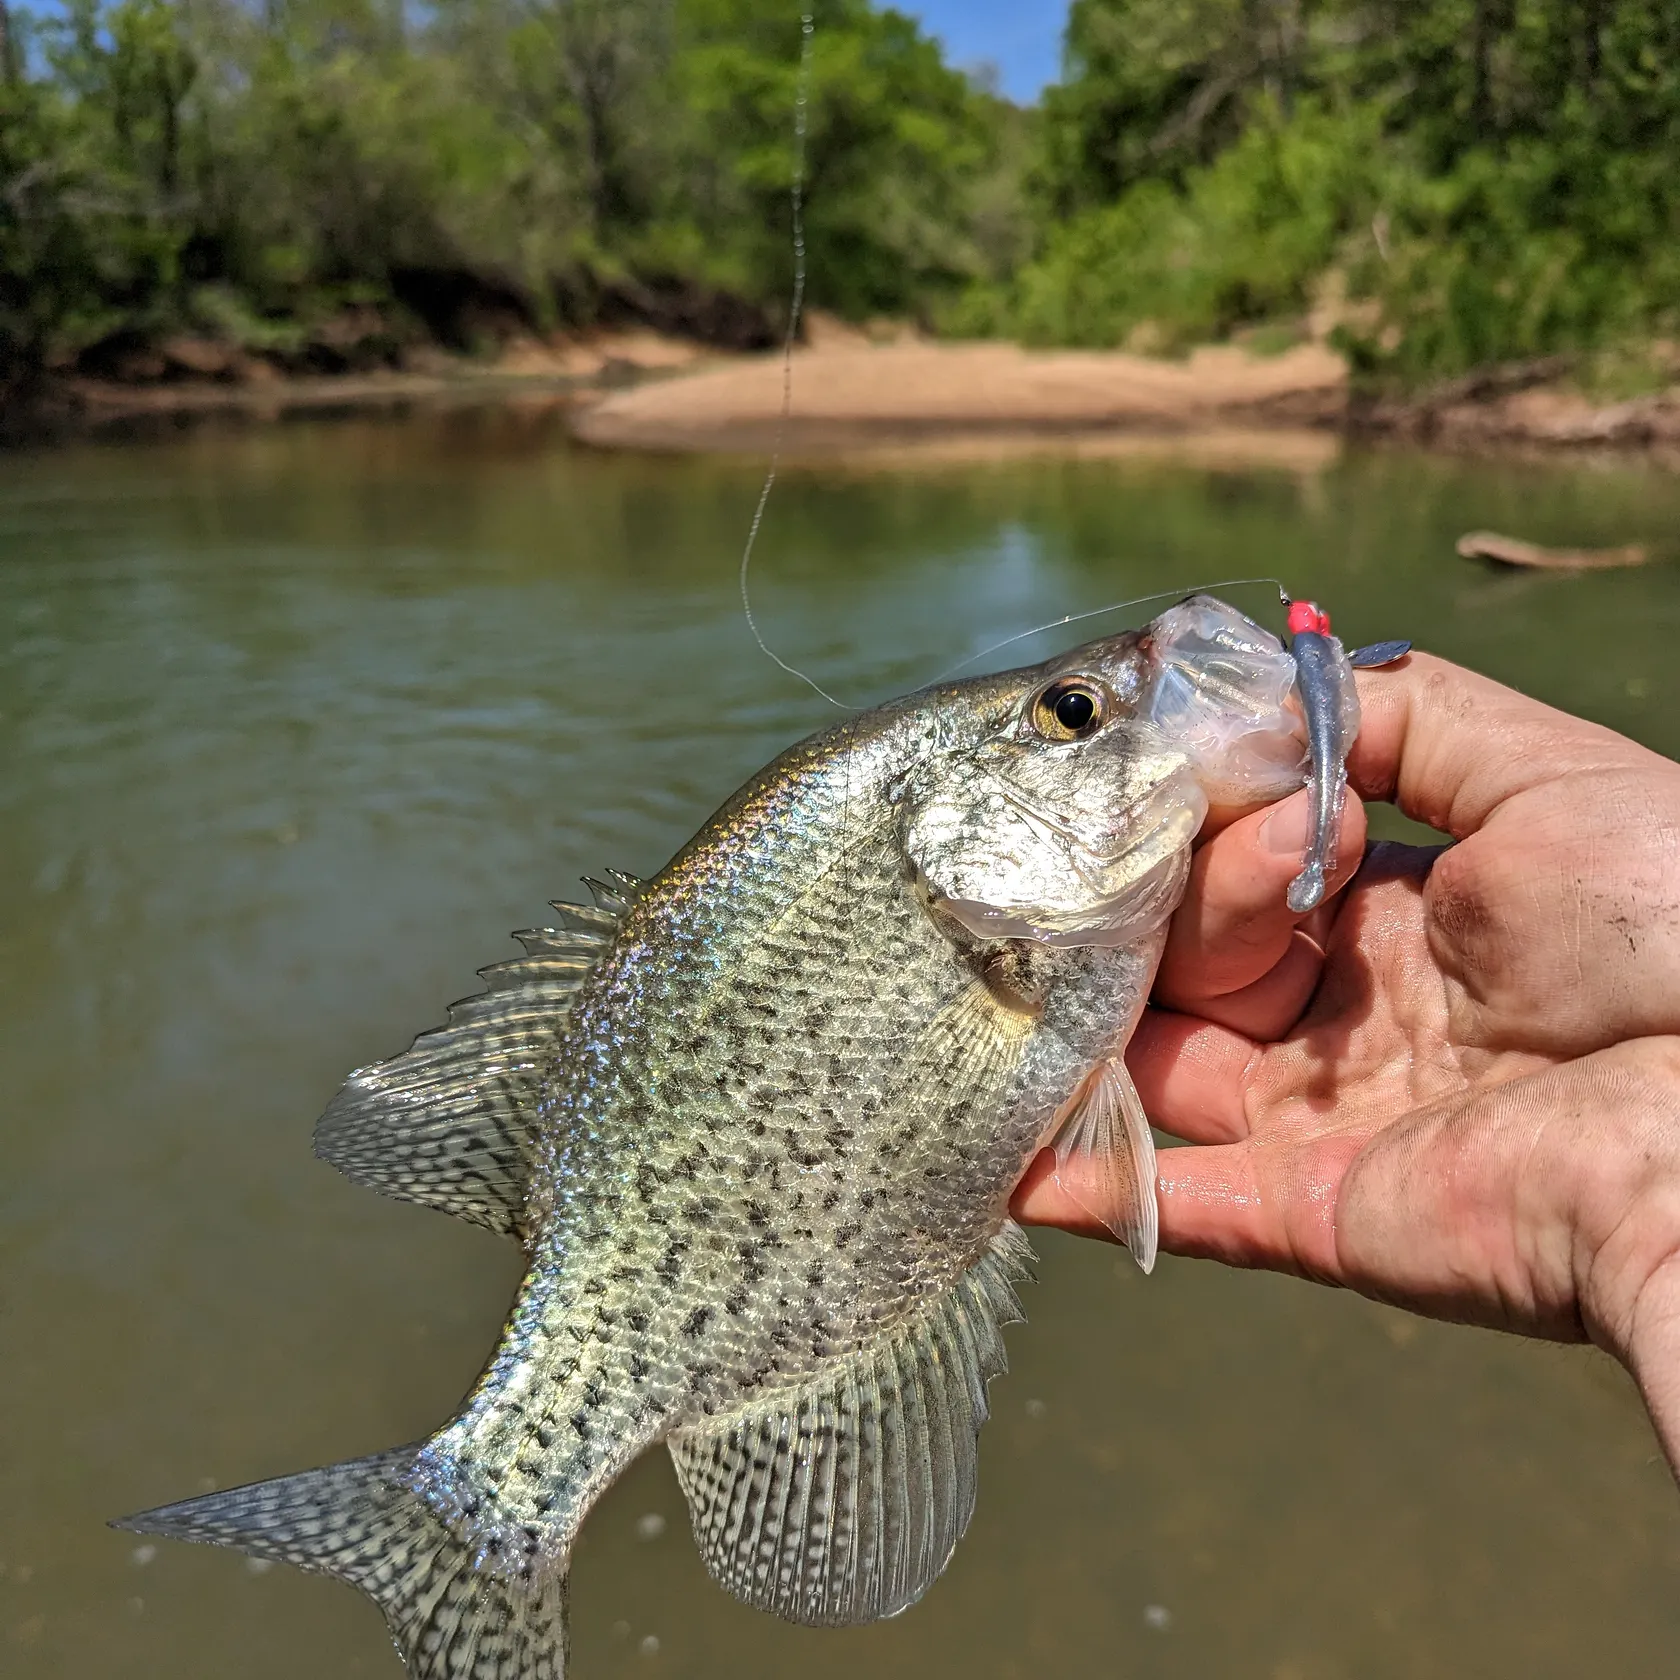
(297, 722)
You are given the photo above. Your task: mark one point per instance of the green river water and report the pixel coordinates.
(297, 722)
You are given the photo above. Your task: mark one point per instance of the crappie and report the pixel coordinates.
(756, 1123)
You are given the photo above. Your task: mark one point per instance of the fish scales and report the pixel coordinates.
(757, 1123)
(726, 1204)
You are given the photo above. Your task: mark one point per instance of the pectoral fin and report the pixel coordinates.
(1105, 1158)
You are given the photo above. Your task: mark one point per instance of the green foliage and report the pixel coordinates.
(320, 180)
(1487, 179)
(1239, 240)
(258, 170)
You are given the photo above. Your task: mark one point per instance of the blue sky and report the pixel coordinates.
(1022, 37)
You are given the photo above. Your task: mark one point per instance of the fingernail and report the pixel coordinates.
(1287, 824)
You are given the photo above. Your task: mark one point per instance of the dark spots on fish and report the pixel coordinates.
(595, 1285)
(837, 1137)
(831, 1199)
(545, 1436)
(639, 1368)
(867, 1200)
(758, 1128)
(736, 1304)
(582, 1424)
(814, 1275)
(757, 1214)
(670, 1264)
(696, 1322)
(845, 1234)
(638, 1321)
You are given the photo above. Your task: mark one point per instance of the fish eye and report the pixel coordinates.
(1069, 710)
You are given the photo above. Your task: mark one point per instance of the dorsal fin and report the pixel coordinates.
(841, 1502)
(616, 894)
(449, 1123)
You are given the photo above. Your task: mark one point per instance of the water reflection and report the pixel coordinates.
(295, 722)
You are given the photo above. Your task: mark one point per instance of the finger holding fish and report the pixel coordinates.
(1234, 926)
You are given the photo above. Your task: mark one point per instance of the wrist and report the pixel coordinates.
(1653, 1355)
(1630, 1294)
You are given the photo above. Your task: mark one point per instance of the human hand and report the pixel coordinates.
(1456, 1085)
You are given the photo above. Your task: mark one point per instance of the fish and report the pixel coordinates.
(756, 1122)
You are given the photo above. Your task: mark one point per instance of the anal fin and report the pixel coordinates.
(841, 1503)
(1105, 1158)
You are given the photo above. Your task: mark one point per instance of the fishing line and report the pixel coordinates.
(796, 306)
(1102, 612)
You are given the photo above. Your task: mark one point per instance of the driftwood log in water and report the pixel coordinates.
(1513, 551)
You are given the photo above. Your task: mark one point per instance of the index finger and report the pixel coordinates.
(1449, 746)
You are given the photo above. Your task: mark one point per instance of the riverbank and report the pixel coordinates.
(852, 396)
(183, 380)
(900, 397)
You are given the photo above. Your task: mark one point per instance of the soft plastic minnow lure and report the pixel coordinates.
(1330, 707)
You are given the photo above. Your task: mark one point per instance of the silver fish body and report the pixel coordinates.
(757, 1123)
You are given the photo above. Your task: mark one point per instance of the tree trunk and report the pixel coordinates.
(1592, 41)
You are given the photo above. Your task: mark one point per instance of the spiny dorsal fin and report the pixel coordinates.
(842, 1503)
(616, 894)
(449, 1122)
(453, 1615)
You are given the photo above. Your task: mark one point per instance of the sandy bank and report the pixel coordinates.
(854, 396)
(904, 403)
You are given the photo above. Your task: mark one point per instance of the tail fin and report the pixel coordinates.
(453, 1616)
